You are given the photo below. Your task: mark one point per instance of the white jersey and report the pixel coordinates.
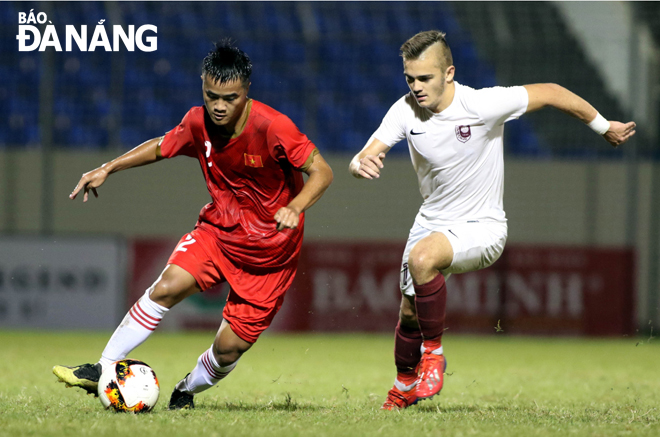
(458, 153)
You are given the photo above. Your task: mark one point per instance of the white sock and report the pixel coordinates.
(139, 323)
(437, 351)
(205, 375)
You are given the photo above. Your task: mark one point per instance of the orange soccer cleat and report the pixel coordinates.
(431, 371)
(398, 399)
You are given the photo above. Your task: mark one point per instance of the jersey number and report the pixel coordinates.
(208, 151)
(182, 246)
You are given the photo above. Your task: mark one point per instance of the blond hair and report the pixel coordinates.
(415, 46)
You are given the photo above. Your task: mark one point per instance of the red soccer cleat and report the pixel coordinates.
(431, 372)
(398, 400)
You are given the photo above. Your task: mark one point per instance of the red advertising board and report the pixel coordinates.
(344, 286)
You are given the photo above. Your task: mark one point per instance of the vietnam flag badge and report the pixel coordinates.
(253, 161)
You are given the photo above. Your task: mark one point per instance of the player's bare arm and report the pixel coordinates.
(367, 163)
(320, 178)
(550, 94)
(145, 153)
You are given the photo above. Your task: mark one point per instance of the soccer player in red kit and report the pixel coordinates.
(249, 235)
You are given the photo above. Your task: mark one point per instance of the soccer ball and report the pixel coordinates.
(129, 385)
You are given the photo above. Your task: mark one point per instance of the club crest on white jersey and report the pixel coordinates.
(463, 133)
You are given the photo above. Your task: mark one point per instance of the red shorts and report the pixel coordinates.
(254, 298)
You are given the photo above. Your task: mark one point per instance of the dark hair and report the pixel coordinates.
(227, 63)
(415, 46)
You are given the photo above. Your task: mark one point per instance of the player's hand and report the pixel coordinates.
(370, 166)
(619, 132)
(90, 181)
(287, 218)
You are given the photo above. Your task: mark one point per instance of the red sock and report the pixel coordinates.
(407, 344)
(431, 303)
(433, 343)
(407, 379)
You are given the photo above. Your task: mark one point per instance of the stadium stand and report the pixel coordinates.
(333, 67)
(550, 54)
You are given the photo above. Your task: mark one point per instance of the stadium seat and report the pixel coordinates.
(352, 62)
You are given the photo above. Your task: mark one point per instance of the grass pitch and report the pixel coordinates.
(334, 385)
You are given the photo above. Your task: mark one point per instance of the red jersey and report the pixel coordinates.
(250, 178)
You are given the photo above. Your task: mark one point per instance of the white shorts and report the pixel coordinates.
(475, 245)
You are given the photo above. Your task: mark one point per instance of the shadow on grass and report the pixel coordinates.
(288, 404)
(430, 408)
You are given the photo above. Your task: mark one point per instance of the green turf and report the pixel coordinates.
(335, 384)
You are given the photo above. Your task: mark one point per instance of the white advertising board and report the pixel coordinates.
(65, 283)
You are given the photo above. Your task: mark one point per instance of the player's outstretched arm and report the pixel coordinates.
(320, 178)
(145, 153)
(550, 94)
(369, 161)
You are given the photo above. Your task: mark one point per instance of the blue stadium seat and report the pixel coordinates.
(328, 20)
(8, 78)
(131, 137)
(295, 112)
(267, 79)
(331, 52)
(522, 141)
(27, 136)
(293, 52)
(27, 108)
(9, 15)
(215, 14)
(22, 122)
(88, 137)
(93, 11)
(398, 19)
(138, 15)
(188, 19)
(286, 18)
(353, 68)
(352, 140)
(355, 20)
(66, 16)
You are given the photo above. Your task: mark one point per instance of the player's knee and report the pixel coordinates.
(167, 292)
(228, 359)
(227, 355)
(421, 265)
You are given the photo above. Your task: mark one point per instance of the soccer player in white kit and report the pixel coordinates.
(454, 134)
